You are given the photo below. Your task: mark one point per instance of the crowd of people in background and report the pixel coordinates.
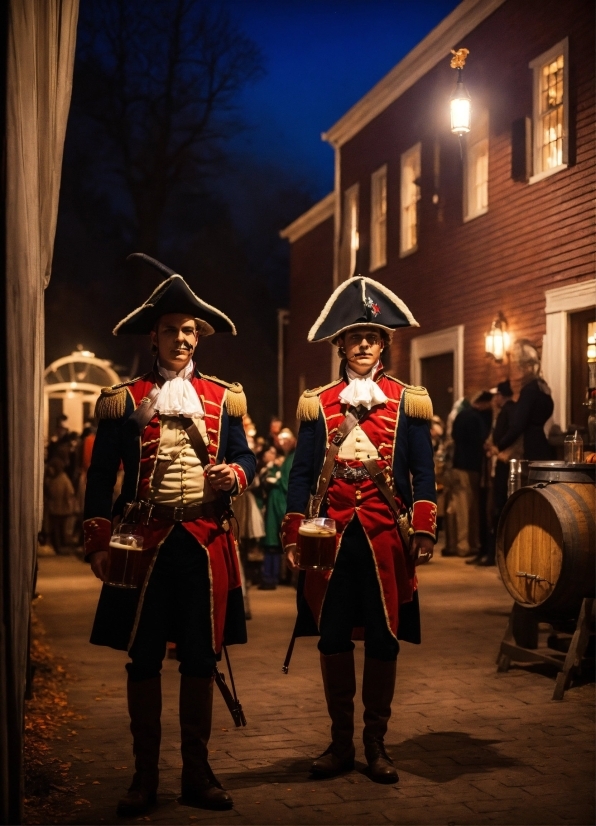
(473, 450)
(260, 509)
(68, 456)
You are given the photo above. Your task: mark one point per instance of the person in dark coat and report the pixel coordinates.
(503, 402)
(533, 408)
(371, 480)
(471, 429)
(180, 438)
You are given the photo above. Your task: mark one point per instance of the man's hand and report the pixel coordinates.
(221, 477)
(99, 565)
(421, 548)
(290, 558)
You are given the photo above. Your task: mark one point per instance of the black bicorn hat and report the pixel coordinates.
(360, 302)
(172, 296)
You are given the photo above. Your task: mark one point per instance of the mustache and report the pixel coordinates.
(184, 346)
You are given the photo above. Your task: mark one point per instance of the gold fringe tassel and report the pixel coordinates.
(112, 403)
(236, 403)
(308, 407)
(417, 403)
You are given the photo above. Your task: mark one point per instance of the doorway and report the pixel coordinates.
(578, 364)
(437, 363)
(436, 373)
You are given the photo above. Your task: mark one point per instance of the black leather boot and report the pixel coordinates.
(339, 681)
(144, 707)
(200, 787)
(378, 685)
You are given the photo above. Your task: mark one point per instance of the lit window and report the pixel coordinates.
(550, 111)
(476, 168)
(378, 219)
(410, 195)
(350, 237)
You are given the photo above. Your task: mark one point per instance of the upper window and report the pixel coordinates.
(476, 168)
(350, 236)
(551, 105)
(410, 195)
(378, 219)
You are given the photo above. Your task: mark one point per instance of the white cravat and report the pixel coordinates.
(362, 390)
(177, 396)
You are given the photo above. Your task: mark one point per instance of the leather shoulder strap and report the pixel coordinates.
(196, 440)
(198, 445)
(377, 474)
(146, 410)
(345, 428)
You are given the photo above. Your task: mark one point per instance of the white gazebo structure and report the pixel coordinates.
(72, 385)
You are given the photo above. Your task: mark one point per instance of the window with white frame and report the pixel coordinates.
(476, 168)
(350, 237)
(551, 104)
(378, 218)
(410, 195)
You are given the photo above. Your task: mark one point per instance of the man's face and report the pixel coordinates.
(275, 426)
(176, 338)
(362, 347)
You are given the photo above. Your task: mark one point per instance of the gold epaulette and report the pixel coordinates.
(112, 402)
(235, 398)
(308, 403)
(417, 402)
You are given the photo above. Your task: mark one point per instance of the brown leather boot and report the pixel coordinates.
(200, 787)
(144, 707)
(378, 685)
(339, 681)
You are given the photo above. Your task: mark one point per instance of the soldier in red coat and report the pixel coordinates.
(364, 458)
(180, 438)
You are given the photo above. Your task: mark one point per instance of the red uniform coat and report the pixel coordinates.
(119, 440)
(402, 440)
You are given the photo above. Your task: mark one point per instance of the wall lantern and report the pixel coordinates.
(497, 340)
(591, 341)
(461, 103)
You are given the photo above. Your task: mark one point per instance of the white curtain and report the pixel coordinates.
(40, 57)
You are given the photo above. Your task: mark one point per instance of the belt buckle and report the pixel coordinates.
(176, 509)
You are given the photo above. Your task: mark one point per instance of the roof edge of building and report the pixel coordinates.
(423, 57)
(314, 216)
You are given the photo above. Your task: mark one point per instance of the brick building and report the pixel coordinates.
(504, 227)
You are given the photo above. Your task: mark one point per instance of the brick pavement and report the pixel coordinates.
(472, 746)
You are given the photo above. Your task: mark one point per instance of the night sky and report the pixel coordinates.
(321, 57)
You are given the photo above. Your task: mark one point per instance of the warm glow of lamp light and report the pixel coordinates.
(591, 341)
(497, 340)
(461, 110)
(461, 104)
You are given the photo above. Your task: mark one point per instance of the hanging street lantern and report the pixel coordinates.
(461, 103)
(497, 340)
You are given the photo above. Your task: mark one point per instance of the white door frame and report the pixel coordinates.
(449, 340)
(560, 302)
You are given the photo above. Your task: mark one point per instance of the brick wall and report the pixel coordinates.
(534, 237)
(311, 283)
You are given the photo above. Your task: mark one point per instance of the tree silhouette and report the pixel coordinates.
(154, 98)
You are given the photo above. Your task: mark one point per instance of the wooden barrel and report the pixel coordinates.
(546, 545)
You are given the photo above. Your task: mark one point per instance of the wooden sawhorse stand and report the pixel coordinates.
(520, 644)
